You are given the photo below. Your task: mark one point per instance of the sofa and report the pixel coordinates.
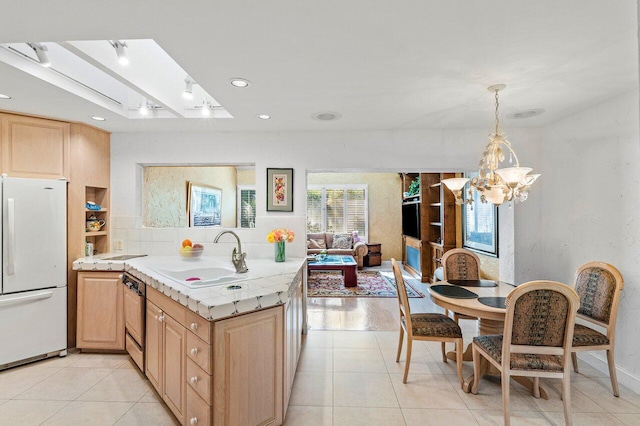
(317, 242)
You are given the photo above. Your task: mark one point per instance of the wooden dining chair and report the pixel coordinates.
(537, 337)
(460, 264)
(599, 286)
(424, 326)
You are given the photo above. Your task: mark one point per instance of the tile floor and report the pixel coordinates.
(346, 376)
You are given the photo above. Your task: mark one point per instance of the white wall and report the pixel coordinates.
(407, 150)
(590, 199)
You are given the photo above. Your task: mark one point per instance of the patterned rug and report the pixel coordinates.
(370, 284)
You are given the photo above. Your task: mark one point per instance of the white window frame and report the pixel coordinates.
(239, 189)
(344, 187)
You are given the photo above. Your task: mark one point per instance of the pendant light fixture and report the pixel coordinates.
(496, 185)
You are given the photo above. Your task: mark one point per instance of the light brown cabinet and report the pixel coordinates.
(293, 314)
(100, 311)
(35, 147)
(166, 347)
(247, 379)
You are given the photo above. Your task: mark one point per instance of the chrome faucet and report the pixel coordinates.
(237, 256)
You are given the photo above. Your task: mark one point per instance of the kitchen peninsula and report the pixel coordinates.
(217, 353)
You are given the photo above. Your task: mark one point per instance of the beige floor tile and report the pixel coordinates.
(358, 361)
(629, 419)
(388, 339)
(65, 385)
(89, 413)
(123, 385)
(426, 391)
(309, 416)
(316, 359)
(17, 380)
(318, 339)
(312, 389)
(151, 396)
(489, 396)
(580, 403)
(363, 390)
(357, 416)
(518, 418)
(599, 391)
(129, 365)
(58, 361)
(148, 413)
(354, 340)
(583, 419)
(17, 412)
(432, 417)
(585, 370)
(99, 361)
(421, 362)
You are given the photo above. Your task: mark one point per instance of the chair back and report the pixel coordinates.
(460, 264)
(539, 319)
(403, 299)
(599, 286)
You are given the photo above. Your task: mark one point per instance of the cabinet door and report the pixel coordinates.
(174, 366)
(100, 311)
(153, 346)
(248, 376)
(35, 147)
(133, 315)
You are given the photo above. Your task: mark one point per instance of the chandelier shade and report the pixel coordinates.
(495, 184)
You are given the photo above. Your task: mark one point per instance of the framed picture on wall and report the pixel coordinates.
(279, 190)
(204, 205)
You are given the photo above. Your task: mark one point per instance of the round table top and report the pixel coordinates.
(473, 307)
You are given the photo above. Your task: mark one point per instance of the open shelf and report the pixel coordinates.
(96, 233)
(96, 211)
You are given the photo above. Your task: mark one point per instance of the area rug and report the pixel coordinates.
(370, 284)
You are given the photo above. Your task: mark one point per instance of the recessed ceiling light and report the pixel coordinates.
(263, 116)
(4, 96)
(326, 116)
(95, 117)
(239, 82)
(526, 114)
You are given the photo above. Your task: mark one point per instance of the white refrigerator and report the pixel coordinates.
(33, 290)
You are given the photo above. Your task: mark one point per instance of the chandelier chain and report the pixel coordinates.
(497, 116)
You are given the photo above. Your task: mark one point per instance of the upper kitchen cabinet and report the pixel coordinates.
(35, 147)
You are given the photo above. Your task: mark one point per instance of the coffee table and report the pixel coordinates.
(346, 264)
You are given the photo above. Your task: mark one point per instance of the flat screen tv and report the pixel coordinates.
(411, 220)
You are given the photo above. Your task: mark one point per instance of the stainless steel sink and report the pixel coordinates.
(124, 257)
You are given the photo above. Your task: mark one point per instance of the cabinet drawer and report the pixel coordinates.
(199, 380)
(199, 351)
(134, 350)
(198, 412)
(199, 326)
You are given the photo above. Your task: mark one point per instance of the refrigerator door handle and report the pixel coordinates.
(11, 209)
(23, 298)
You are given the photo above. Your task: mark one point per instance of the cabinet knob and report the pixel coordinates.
(194, 380)
(193, 421)
(161, 318)
(194, 351)
(194, 326)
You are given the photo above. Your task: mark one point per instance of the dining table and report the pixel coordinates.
(484, 300)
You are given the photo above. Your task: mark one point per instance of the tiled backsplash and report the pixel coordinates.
(167, 241)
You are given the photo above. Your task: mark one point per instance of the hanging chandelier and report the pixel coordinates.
(494, 184)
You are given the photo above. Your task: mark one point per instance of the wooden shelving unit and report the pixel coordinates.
(421, 254)
(100, 239)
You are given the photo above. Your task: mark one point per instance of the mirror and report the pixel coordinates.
(230, 203)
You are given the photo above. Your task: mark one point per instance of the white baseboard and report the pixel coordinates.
(599, 362)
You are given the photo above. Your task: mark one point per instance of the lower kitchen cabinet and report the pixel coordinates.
(166, 348)
(100, 311)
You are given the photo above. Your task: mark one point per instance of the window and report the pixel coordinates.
(246, 206)
(480, 226)
(338, 209)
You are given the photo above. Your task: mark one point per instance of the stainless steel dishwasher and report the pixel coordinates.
(134, 318)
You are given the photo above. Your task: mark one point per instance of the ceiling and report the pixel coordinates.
(382, 65)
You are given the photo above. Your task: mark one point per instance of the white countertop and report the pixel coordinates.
(266, 284)
(101, 262)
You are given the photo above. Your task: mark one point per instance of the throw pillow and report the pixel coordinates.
(317, 244)
(342, 241)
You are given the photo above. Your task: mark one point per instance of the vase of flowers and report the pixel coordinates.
(279, 237)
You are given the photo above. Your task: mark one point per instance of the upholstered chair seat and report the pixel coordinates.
(436, 325)
(585, 336)
(492, 345)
